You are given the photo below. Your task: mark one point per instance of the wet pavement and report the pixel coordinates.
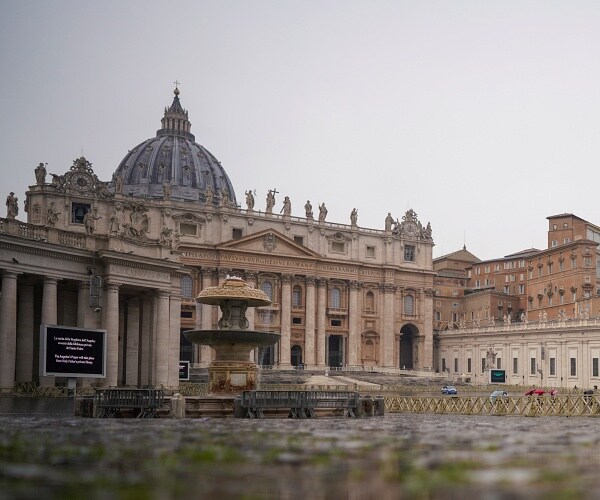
(396, 456)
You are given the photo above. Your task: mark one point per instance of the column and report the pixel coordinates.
(49, 314)
(83, 295)
(146, 358)
(321, 320)
(111, 324)
(132, 349)
(387, 337)
(174, 339)
(207, 313)
(309, 332)
(426, 357)
(163, 325)
(250, 278)
(354, 326)
(25, 334)
(286, 319)
(8, 330)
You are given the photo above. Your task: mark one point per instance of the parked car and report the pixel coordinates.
(449, 389)
(497, 394)
(535, 392)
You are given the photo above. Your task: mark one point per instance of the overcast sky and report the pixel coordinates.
(481, 116)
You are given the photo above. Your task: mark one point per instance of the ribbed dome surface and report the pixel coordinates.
(174, 158)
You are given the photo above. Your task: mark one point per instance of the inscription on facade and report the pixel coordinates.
(135, 272)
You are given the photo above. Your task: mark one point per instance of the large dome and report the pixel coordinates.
(173, 165)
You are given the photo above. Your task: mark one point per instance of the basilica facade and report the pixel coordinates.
(129, 254)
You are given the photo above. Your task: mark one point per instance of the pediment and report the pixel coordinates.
(269, 242)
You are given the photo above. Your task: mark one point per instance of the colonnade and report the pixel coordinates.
(142, 329)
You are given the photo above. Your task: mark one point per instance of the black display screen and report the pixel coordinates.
(73, 352)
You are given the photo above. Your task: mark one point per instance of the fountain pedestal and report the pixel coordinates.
(232, 371)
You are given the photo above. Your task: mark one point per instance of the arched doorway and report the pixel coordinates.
(407, 347)
(296, 355)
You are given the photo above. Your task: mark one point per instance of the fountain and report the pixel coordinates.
(232, 371)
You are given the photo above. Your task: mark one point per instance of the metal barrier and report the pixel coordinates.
(145, 402)
(301, 404)
(570, 406)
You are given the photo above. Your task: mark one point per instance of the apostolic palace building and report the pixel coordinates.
(129, 254)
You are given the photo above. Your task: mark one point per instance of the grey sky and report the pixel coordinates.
(481, 116)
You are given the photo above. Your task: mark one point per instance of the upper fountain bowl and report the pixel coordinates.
(233, 288)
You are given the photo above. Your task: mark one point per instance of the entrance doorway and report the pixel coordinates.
(296, 355)
(407, 352)
(186, 348)
(335, 352)
(266, 356)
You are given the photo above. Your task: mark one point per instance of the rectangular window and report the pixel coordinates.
(455, 365)
(78, 211)
(409, 253)
(296, 321)
(507, 290)
(515, 366)
(443, 364)
(532, 366)
(560, 265)
(497, 267)
(573, 366)
(594, 367)
(482, 365)
(336, 322)
(338, 246)
(370, 252)
(521, 289)
(188, 229)
(438, 316)
(237, 233)
(554, 243)
(552, 367)
(469, 368)
(299, 240)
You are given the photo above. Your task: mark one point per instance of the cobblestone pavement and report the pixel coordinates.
(396, 456)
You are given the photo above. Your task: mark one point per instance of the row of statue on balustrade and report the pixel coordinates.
(82, 178)
(580, 312)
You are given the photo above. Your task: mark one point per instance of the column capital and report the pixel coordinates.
(322, 282)
(162, 294)
(111, 286)
(10, 274)
(355, 285)
(310, 280)
(286, 279)
(207, 271)
(250, 275)
(223, 272)
(387, 288)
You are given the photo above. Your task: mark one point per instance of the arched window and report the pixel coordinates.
(336, 298)
(409, 305)
(267, 287)
(370, 302)
(186, 287)
(297, 296)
